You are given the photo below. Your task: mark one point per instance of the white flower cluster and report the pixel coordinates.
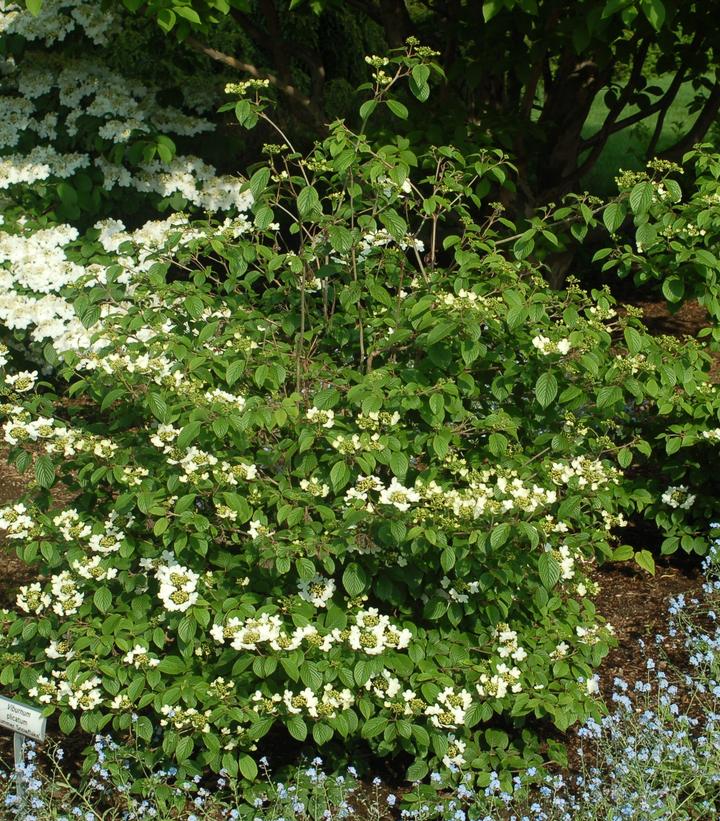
(21, 382)
(497, 684)
(84, 695)
(315, 487)
(587, 473)
(384, 685)
(508, 644)
(66, 598)
(306, 702)
(395, 494)
(449, 708)
(678, 496)
(331, 702)
(185, 718)
(547, 346)
(375, 420)
(111, 537)
(195, 464)
(140, 658)
(57, 19)
(195, 180)
(454, 755)
(178, 587)
(40, 163)
(226, 400)
(324, 418)
(259, 530)
(16, 522)
(371, 633)
(20, 428)
(90, 567)
(32, 599)
(459, 592)
(265, 629)
(318, 590)
(566, 561)
(381, 237)
(464, 301)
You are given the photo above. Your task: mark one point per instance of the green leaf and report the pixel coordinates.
(339, 475)
(188, 433)
(546, 389)
(623, 553)
(490, 8)
(305, 568)
(258, 182)
(158, 406)
(420, 73)
(608, 395)
(634, 340)
(34, 6)
(399, 464)
(172, 665)
(308, 202)
(322, 733)
(549, 570)
(264, 216)
(654, 10)
(367, 108)
(499, 535)
(102, 599)
(644, 559)
(614, 216)
(374, 726)
(673, 289)
(398, 109)
(417, 770)
(645, 236)
(340, 239)
(189, 14)
(297, 728)
(641, 197)
(44, 471)
(184, 748)
(354, 579)
(234, 371)
(67, 723)
(166, 19)
(248, 767)
(110, 397)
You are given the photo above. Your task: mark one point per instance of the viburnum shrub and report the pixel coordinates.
(674, 246)
(338, 469)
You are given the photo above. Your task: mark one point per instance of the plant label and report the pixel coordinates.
(18, 717)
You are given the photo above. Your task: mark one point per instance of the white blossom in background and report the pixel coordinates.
(318, 590)
(678, 496)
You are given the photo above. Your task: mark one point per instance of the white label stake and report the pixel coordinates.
(25, 722)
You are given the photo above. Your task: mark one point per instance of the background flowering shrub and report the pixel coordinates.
(339, 469)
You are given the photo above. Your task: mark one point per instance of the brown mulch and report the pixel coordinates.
(636, 604)
(14, 571)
